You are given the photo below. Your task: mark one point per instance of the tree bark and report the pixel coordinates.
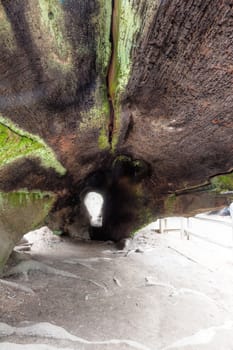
(132, 99)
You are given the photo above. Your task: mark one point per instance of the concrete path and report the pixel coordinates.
(159, 293)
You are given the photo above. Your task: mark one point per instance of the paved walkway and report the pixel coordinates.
(160, 293)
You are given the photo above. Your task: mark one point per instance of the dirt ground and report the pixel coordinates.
(159, 293)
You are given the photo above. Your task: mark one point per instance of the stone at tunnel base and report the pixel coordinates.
(20, 212)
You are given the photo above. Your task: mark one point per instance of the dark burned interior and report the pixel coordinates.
(120, 188)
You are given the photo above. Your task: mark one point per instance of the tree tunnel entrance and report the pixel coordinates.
(113, 199)
(93, 202)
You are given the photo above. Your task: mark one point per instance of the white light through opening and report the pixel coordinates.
(93, 202)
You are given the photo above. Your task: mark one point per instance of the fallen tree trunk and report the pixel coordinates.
(131, 99)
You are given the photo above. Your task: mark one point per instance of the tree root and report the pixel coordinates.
(25, 267)
(50, 331)
(17, 286)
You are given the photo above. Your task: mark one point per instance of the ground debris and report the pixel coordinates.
(16, 286)
(25, 267)
(97, 284)
(117, 282)
(139, 250)
(150, 281)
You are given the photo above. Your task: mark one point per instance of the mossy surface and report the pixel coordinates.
(21, 212)
(103, 27)
(126, 24)
(98, 116)
(16, 143)
(145, 218)
(169, 204)
(52, 20)
(7, 37)
(222, 183)
(28, 208)
(120, 159)
(103, 139)
(57, 232)
(17, 199)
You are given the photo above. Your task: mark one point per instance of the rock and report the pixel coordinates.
(124, 244)
(20, 212)
(139, 250)
(23, 241)
(23, 248)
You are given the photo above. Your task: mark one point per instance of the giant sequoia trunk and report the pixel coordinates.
(131, 98)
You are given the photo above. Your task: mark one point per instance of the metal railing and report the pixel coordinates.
(186, 229)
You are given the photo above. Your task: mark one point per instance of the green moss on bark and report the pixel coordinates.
(100, 114)
(169, 204)
(53, 24)
(7, 37)
(103, 139)
(103, 26)
(222, 183)
(16, 143)
(97, 117)
(17, 199)
(127, 27)
(131, 22)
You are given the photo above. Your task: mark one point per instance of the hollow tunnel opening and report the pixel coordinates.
(93, 202)
(112, 198)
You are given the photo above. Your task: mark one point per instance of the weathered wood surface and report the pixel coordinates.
(167, 101)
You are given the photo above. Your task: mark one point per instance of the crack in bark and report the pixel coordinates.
(110, 75)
